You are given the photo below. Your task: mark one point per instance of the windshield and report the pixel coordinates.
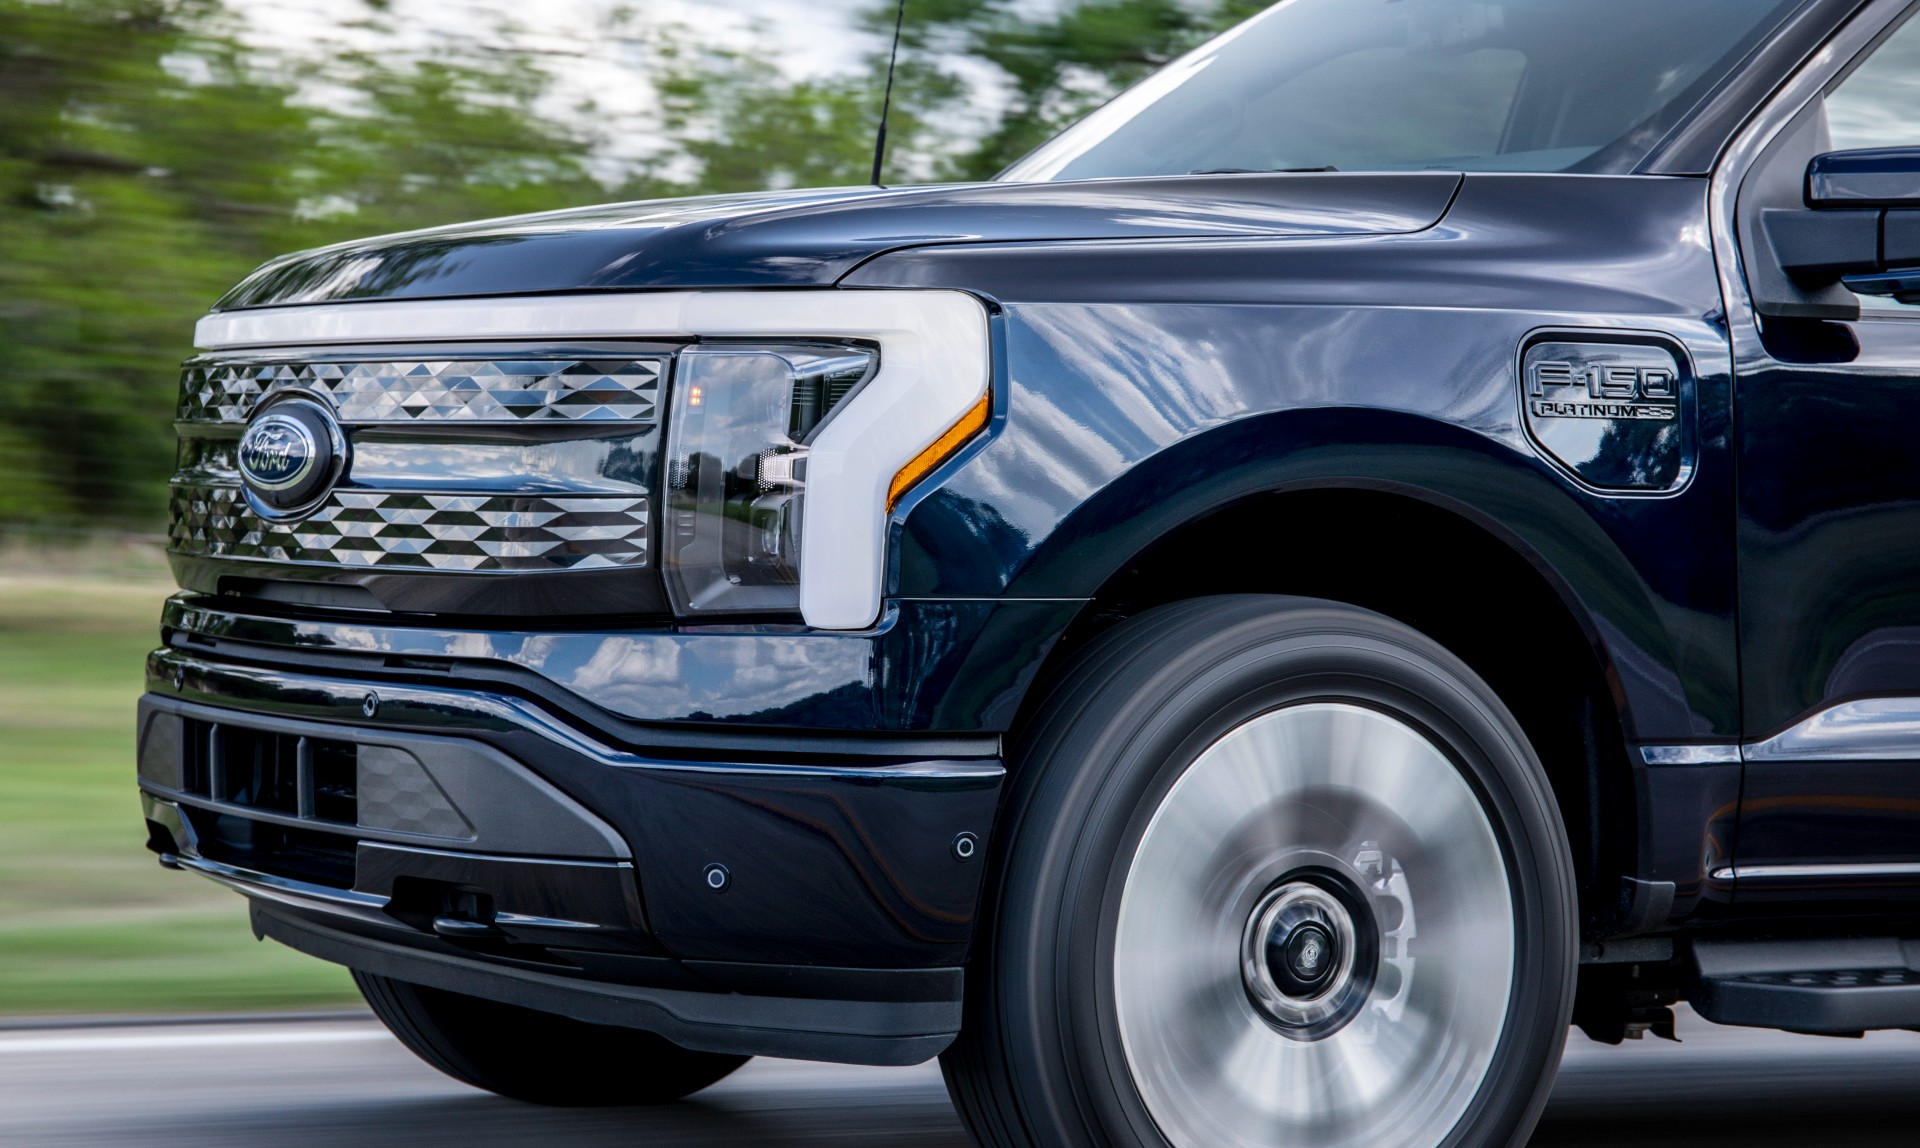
(1386, 85)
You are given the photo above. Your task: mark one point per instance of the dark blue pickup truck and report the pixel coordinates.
(1395, 535)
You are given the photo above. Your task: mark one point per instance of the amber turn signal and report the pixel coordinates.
(943, 448)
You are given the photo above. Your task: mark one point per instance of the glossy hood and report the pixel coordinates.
(813, 238)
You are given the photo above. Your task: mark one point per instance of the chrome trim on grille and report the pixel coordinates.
(461, 532)
(421, 390)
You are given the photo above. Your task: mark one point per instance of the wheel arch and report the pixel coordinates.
(1392, 566)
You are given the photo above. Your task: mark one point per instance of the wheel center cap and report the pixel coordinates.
(1303, 960)
(1307, 956)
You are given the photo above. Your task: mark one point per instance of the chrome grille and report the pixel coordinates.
(450, 390)
(433, 495)
(417, 531)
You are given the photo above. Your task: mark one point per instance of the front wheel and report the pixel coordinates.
(1278, 873)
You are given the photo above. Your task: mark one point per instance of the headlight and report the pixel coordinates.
(740, 424)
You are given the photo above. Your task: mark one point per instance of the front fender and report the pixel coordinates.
(1126, 422)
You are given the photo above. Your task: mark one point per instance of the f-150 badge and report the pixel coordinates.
(1609, 413)
(1579, 389)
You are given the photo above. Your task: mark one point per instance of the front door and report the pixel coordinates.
(1827, 413)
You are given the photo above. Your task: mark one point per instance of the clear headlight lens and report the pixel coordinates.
(736, 469)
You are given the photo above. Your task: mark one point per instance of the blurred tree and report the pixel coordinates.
(744, 126)
(436, 141)
(733, 121)
(1056, 64)
(148, 160)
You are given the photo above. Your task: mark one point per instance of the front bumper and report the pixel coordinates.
(491, 846)
(935, 669)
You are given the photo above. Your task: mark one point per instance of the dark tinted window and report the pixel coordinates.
(1372, 85)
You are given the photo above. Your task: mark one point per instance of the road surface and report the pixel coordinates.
(329, 1082)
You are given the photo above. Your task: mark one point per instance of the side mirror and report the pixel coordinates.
(1861, 227)
(1876, 177)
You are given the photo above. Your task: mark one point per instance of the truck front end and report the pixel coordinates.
(536, 650)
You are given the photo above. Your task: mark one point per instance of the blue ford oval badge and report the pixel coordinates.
(277, 452)
(289, 454)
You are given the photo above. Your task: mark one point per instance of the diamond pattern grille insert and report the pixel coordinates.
(454, 532)
(417, 391)
(431, 526)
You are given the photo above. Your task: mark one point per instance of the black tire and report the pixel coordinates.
(536, 1056)
(1061, 983)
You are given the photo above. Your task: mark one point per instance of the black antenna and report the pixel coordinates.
(886, 102)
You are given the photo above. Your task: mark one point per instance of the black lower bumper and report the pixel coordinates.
(476, 842)
(850, 1032)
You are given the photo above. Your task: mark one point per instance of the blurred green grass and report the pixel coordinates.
(88, 922)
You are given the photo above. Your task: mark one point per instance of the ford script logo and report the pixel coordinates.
(289, 454)
(277, 453)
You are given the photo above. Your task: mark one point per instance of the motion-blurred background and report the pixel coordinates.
(154, 151)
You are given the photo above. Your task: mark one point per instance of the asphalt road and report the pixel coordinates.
(338, 1082)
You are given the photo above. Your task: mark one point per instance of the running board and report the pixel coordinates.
(1834, 987)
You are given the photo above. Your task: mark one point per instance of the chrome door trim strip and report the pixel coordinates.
(1866, 729)
(1728, 754)
(1814, 872)
(1871, 729)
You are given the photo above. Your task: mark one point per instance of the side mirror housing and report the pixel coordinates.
(1861, 226)
(1875, 177)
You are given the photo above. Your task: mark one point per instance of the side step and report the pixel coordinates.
(1834, 987)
